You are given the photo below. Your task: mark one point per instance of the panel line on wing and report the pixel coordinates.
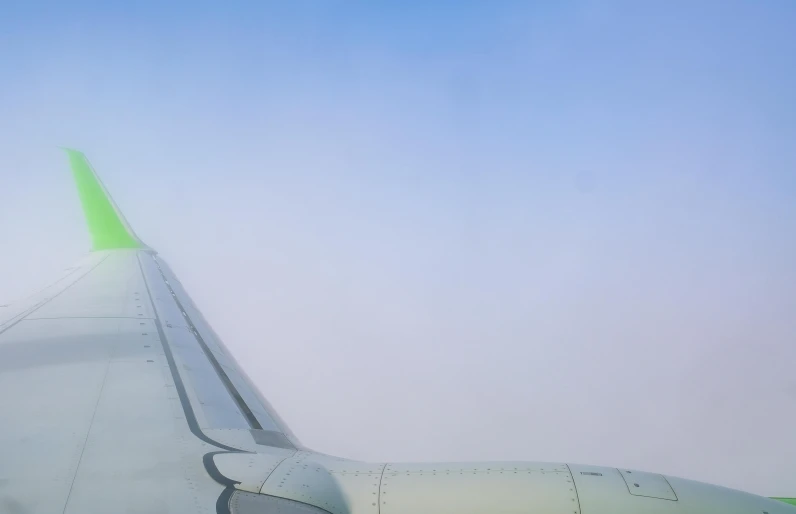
(251, 419)
(89, 317)
(44, 302)
(179, 385)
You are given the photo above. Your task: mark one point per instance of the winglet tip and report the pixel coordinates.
(107, 225)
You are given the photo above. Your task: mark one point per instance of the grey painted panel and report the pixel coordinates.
(253, 400)
(197, 372)
(261, 409)
(209, 390)
(222, 417)
(219, 408)
(271, 438)
(212, 339)
(243, 440)
(243, 502)
(208, 394)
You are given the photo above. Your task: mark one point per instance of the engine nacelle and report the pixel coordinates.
(308, 481)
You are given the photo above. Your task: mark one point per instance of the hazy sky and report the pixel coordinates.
(446, 230)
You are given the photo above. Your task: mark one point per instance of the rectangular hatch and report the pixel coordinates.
(650, 485)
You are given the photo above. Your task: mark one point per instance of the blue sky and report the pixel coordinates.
(579, 212)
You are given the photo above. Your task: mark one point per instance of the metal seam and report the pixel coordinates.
(91, 423)
(381, 479)
(179, 385)
(251, 419)
(45, 302)
(574, 486)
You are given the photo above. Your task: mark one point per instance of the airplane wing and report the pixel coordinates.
(114, 386)
(116, 396)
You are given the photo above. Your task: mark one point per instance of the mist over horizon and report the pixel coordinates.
(448, 232)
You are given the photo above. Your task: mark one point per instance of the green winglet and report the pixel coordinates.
(109, 230)
(791, 501)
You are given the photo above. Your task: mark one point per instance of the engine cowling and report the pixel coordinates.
(312, 482)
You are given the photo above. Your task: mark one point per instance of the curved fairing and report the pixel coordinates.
(117, 396)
